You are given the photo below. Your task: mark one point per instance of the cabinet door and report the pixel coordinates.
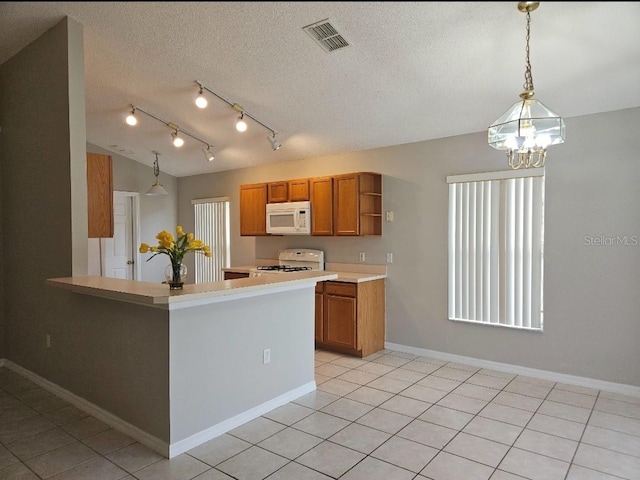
(278, 192)
(340, 321)
(346, 216)
(253, 209)
(299, 190)
(321, 206)
(100, 195)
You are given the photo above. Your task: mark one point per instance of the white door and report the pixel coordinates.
(120, 252)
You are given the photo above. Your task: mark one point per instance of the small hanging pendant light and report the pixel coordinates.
(157, 188)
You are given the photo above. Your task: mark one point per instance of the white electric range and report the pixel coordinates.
(292, 260)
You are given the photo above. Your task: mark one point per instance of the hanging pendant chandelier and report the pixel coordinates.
(528, 127)
(156, 188)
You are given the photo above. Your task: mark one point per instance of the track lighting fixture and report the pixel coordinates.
(177, 140)
(275, 144)
(201, 100)
(157, 188)
(131, 118)
(241, 125)
(208, 154)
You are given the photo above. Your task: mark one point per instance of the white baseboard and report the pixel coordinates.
(157, 445)
(233, 422)
(519, 370)
(154, 443)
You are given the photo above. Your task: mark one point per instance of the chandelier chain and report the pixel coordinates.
(528, 77)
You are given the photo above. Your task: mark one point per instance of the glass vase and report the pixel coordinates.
(175, 274)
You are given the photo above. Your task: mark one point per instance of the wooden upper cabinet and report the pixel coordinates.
(357, 204)
(100, 195)
(253, 209)
(299, 190)
(321, 205)
(288, 191)
(370, 185)
(278, 192)
(347, 205)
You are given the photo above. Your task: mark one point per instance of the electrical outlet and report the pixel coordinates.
(48, 341)
(361, 256)
(389, 257)
(266, 356)
(389, 216)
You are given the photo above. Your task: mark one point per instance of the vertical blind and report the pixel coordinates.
(496, 248)
(212, 227)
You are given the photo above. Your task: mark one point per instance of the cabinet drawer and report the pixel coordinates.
(341, 288)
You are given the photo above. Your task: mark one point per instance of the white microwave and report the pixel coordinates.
(291, 218)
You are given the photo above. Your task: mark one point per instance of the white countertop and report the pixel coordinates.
(350, 273)
(355, 277)
(158, 295)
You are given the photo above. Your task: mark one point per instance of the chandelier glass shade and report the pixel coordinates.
(525, 131)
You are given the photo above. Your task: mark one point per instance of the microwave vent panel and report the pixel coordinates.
(326, 35)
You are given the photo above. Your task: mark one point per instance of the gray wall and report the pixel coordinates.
(591, 299)
(217, 369)
(37, 168)
(591, 302)
(3, 351)
(94, 342)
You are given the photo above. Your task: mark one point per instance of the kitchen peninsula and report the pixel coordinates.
(174, 369)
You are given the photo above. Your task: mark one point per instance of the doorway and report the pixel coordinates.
(120, 254)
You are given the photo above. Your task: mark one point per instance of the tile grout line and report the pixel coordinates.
(77, 440)
(394, 368)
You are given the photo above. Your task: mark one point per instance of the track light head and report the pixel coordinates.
(241, 125)
(177, 141)
(131, 118)
(208, 154)
(275, 144)
(201, 100)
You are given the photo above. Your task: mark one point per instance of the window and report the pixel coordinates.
(212, 227)
(496, 232)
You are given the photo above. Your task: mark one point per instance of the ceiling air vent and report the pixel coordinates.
(325, 35)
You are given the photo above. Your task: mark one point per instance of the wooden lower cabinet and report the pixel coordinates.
(350, 317)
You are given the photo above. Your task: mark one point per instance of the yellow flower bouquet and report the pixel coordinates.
(176, 249)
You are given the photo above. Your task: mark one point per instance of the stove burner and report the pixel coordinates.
(283, 268)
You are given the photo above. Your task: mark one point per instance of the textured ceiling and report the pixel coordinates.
(413, 71)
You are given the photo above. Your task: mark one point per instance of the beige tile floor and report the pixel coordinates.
(391, 416)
